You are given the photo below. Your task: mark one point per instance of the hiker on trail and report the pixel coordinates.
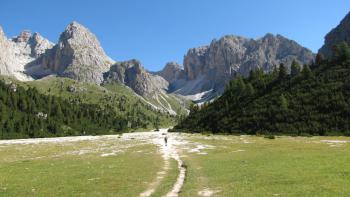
(166, 140)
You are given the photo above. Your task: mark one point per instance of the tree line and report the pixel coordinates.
(309, 100)
(25, 113)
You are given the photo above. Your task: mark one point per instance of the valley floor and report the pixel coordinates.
(139, 164)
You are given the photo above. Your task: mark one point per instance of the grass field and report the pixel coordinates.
(102, 166)
(219, 165)
(256, 166)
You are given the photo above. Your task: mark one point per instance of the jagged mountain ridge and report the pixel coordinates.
(15, 53)
(171, 72)
(78, 55)
(208, 68)
(340, 33)
(132, 74)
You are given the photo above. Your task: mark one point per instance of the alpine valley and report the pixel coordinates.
(309, 99)
(236, 116)
(61, 85)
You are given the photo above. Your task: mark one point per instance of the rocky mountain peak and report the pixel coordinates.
(15, 54)
(24, 36)
(132, 74)
(37, 38)
(135, 65)
(74, 30)
(339, 34)
(39, 45)
(172, 66)
(209, 68)
(230, 39)
(172, 71)
(32, 45)
(78, 55)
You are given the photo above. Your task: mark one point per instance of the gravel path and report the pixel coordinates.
(168, 152)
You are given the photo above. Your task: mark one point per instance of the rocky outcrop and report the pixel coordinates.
(339, 34)
(78, 55)
(30, 46)
(171, 72)
(39, 45)
(209, 68)
(132, 74)
(19, 51)
(5, 60)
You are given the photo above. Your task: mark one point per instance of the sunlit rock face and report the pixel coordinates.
(77, 55)
(17, 52)
(208, 68)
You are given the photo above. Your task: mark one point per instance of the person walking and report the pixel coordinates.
(166, 140)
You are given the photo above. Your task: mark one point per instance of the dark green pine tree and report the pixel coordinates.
(282, 72)
(306, 72)
(295, 68)
(283, 103)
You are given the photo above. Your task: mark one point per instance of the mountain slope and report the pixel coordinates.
(207, 69)
(312, 102)
(78, 55)
(27, 113)
(17, 52)
(114, 97)
(152, 88)
(171, 72)
(339, 34)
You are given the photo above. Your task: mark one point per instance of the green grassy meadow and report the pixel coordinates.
(256, 166)
(217, 165)
(78, 168)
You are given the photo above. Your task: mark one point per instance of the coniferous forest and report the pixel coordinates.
(27, 113)
(307, 100)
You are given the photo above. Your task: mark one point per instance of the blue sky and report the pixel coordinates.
(158, 31)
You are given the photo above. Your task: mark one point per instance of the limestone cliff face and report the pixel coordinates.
(210, 67)
(32, 45)
(171, 72)
(132, 74)
(15, 53)
(339, 34)
(78, 55)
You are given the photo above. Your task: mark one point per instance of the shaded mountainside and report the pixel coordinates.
(339, 34)
(312, 102)
(125, 111)
(209, 68)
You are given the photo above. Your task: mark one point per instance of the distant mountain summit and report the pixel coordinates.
(132, 74)
(77, 55)
(15, 53)
(339, 34)
(208, 68)
(32, 45)
(171, 72)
